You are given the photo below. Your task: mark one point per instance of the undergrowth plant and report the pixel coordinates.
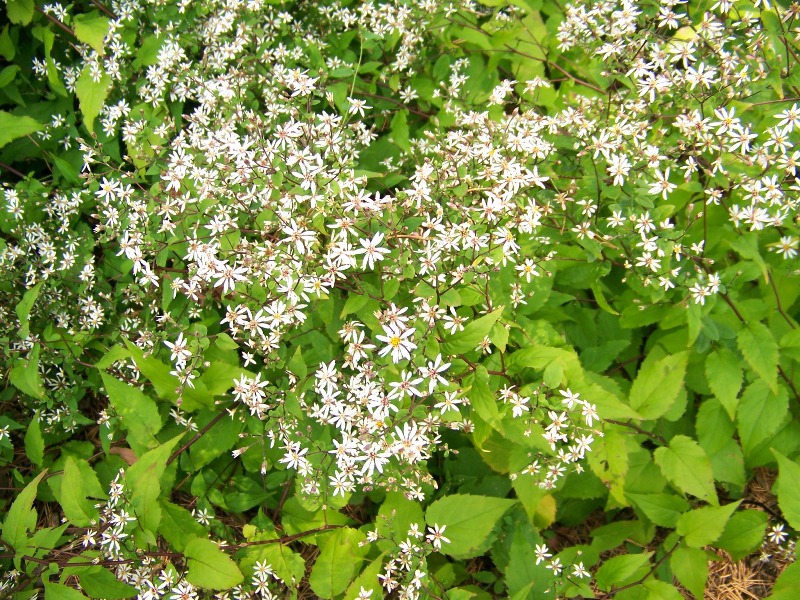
(348, 299)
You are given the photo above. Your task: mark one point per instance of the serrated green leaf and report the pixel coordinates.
(787, 584)
(7, 49)
(25, 374)
(469, 521)
(482, 400)
(23, 309)
(338, 561)
(77, 507)
(138, 412)
(367, 580)
(91, 29)
(662, 509)
(21, 517)
(685, 464)
(724, 376)
(99, 582)
(702, 526)
(21, 12)
(144, 481)
(59, 591)
(788, 487)
(658, 384)
(473, 334)
(760, 414)
(177, 525)
(690, 566)
(13, 127)
(622, 570)
(209, 567)
(91, 96)
(399, 129)
(743, 533)
(760, 350)
(34, 442)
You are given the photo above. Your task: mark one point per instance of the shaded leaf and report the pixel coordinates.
(21, 517)
(760, 350)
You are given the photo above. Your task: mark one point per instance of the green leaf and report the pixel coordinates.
(177, 525)
(657, 384)
(473, 334)
(724, 375)
(25, 305)
(338, 561)
(743, 533)
(469, 521)
(144, 479)
(25, 374)
(209, 567)
(690, 566)
(760, 415)
(138, 412)
(14, 126)
(399, 129)
(787, 584)
(702, 526)
(685, 464)
(662, 509)
(7, 49)
(396, 515)
(482, 400)
(34, 443)
(21, 517)
(367, 580)
(760, 350)
(91, 29)
(597, 290)
(216, 442)
(91, 96)
(99, 582)
(77, 507)
(21, 12)
(622, 570)
(788, 488)
(59, 591)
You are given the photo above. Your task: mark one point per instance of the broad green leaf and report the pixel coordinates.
(760, 414)
(662, 509)
(59, 591)
(724, 376)
(760, 350)
(217, 441)
(788, 488)
(690, 566)
(474, 332)
(138, 412)
(338, 562)
(367, 580)
(21, 517)
(660, 590)
(14, 126)
(743, 533)
(177, 525)
(19, 11)
(469, 521)
(25, 374)
(657, 384)
(7, 49)
(396, 515)
(99, 582)
(597, 290)
(91, 96)
(685, 464)
(716, 434)
(144, 481)
(787, 584)
(399, 129)
(25, 305)
(622, 570)
(482, 400)
(702, 526)
(34, 443)
(91, 29)
(209, 567)
(77, 507)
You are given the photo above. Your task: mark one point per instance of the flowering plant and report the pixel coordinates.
(345, 299)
